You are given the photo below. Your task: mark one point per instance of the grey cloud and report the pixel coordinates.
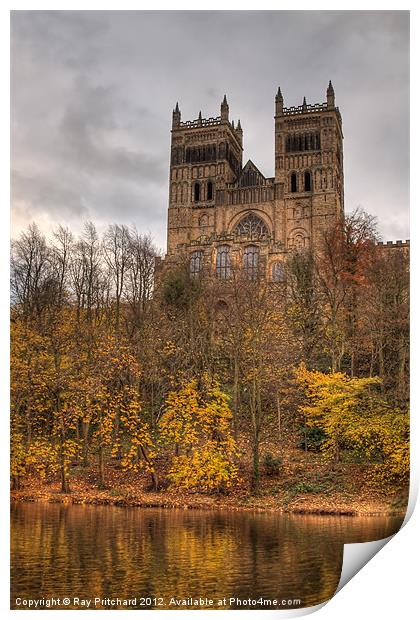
(93, 91)
(87, 136)
(47, 195)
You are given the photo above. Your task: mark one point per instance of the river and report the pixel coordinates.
(159, 558)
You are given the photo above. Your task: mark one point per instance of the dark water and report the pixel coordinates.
(60, 551)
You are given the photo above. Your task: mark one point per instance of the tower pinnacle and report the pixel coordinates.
(279, 103)
(330, 97)
(176, 116)
(224, 110)
(239, 131)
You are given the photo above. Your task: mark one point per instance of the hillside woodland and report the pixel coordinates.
(195, 391)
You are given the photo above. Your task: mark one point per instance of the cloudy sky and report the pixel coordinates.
(93, 92)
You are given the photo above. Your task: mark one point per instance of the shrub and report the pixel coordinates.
(311, 439)
(271, 464)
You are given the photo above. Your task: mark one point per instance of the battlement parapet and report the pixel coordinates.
(394, 244)
(201, 122)
(308, 108)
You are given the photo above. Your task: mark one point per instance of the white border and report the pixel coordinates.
(387, 586)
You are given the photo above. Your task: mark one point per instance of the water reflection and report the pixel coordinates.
(110, 552)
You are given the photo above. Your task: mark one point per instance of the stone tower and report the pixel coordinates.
(222, 213)
(206, 156)
(309, 165)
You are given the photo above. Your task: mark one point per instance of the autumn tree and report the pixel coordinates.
(341, 266)
(30, 400)
(303, 308)
(353, 415)
(41, 378)
(384, 321)
(255, 323)
(109, 396)
(197, 421)
(188, 303)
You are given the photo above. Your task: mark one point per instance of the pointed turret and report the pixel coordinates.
(224, 110)
(176, 116)
(304, 105)
(279, 103)
(330, 97)
(200, 118)
(239, 131)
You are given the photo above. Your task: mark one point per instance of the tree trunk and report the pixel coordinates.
(235, 396)
(352, 364)
(85, 447)
(372, 360)
(101, 468)
(119, 455)
(402, 353)
(15, 483)
(153, 474)
(65, 486)
(152, 405)
(381, 364)
(255, 486)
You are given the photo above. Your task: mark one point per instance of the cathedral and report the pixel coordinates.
(222, 212)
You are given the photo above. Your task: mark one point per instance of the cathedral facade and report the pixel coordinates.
(222, 212)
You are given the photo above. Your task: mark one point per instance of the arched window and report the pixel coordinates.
(293, 182)
(308, 182)
(251, 225)
(196, 263)
(209, 190)
(277, 272)
(250, 260)
(298, 241)
(223, 262)
(196, 192)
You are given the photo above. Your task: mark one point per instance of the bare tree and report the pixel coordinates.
(31, 276)
(116, 249)
(60, 257)
(138, 283)
(86, 274)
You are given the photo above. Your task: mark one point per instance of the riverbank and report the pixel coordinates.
(316, 491)
(338, 505)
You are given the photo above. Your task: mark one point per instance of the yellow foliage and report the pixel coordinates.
(199, 423)
(59, 380)
(207, 467)
(352, 413)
